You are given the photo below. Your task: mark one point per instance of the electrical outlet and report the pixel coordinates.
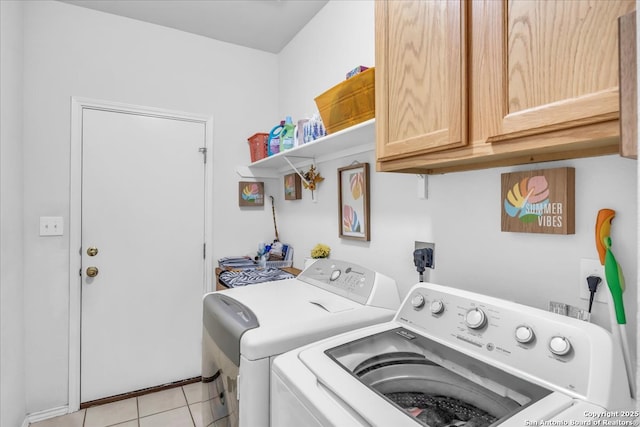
(592, 267)
(432, 246)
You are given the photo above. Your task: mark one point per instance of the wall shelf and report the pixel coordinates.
(354, 140)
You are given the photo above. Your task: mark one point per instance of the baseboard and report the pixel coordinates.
(64, 410)
(141, 392)
(45, 415)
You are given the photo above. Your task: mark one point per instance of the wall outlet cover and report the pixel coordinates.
(592, 267)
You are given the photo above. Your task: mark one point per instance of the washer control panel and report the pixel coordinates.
(554, 348)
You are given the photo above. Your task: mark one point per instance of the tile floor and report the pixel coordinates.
(176, 407)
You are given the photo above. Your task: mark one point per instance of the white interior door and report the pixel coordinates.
(143, 205)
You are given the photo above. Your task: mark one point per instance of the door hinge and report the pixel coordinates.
(203, 150)
(204, 251)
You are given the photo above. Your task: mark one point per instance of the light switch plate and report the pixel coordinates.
(51, 225)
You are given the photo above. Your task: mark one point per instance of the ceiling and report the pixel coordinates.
(260, 24)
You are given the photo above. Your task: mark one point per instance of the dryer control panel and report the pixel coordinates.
(352, 281)
(340, 277)
(571, 355)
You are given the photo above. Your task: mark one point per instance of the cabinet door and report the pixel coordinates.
(555, 64)
(421, 97)
(628, 87)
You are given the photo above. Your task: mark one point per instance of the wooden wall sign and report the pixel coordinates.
(539, 201)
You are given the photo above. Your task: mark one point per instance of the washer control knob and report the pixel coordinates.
(334, 275)
(559, 346)
(417, 301)
(475, 318)
(437, 306)
(524, 334)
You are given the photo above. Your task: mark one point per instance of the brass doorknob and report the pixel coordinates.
(92, 271)
(92, 251)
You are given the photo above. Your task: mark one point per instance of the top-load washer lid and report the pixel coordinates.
(433, 384)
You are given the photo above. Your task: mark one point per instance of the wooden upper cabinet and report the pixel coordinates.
(421, 92)
(554, 65)
(628, 86)
(464, 85)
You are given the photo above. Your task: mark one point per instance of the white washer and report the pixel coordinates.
(455, 358)
(245, 328)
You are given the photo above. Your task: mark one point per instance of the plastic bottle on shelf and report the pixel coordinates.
(287, 135)
(274, 139)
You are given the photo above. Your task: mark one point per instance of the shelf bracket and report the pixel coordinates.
(313, 162)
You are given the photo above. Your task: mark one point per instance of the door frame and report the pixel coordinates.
(78, 104)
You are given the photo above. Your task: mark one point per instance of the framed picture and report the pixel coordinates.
(292, 187)
(353, 202)
(250, 193)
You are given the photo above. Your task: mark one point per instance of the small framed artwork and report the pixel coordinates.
(539, 201)
(250, 193)
(353, 202)
(292, 187)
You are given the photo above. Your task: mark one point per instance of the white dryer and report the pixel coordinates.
(245, 328)
(456, 358)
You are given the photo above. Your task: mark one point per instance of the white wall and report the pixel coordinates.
(462, 213)
(339, 38)
(74, 51)
(12, 366)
